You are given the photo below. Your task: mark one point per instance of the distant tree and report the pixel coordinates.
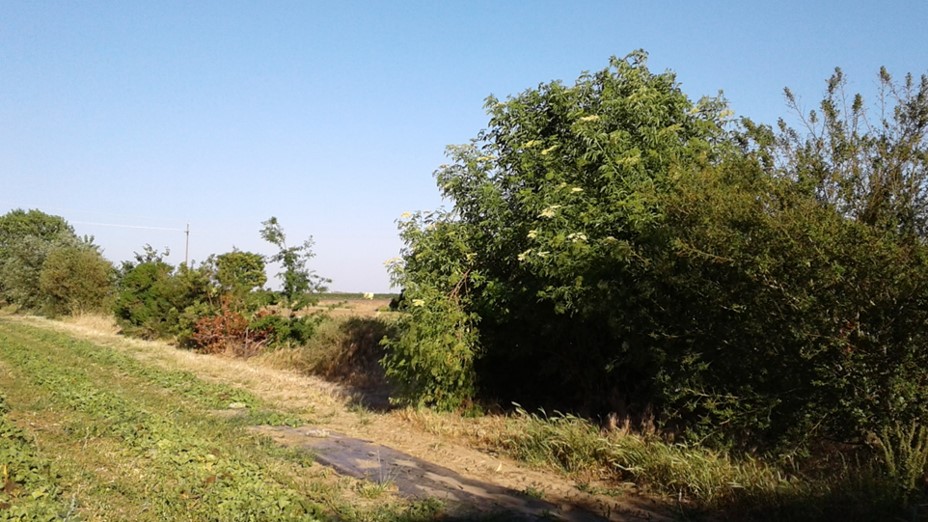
(150, 254)
(298, 281)
(18, 224)
(75, 279)
(26, 239)
(239, 274)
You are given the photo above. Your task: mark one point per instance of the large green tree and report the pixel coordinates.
(613, 245)
(27, 239)
(556, 206)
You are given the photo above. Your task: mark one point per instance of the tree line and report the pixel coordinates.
(220, 304)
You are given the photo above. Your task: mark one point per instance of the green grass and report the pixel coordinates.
(133, 442)
(28, 484)
(707, 483)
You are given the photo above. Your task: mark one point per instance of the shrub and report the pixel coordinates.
(432, 362)
(155, 300)
(341, 349)
(612, 248)
(284, 330)
(75, 280)
(227, 331)
(26, 240)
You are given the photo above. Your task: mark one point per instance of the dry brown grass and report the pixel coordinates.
(95, 323)
(352, 307)
(345, 350)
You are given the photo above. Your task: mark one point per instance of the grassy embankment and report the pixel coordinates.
(90, 433)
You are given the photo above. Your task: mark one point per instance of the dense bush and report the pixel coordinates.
(283, 329)
(74, 280)
(556, 207)
(614, 246)
(781, 320)
(45, 267)
(218, 306)
(156, 300)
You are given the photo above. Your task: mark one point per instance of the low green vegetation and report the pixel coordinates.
(706, 482)
(221, 305)
(29, 484)
(136, 442)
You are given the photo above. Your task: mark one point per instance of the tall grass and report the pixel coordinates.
(690, 473)
(343, 349)
(904, 451)
(701, 482)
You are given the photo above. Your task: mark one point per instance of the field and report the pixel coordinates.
(100, 427)
(351, 306)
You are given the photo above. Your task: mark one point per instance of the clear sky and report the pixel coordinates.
(333, 115)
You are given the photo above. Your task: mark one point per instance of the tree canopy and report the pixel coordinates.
(613, 245)
(76, 278)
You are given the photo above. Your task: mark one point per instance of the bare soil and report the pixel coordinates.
(413, 457)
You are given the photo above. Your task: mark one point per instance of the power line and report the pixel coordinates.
(186, 232)
(140, 227)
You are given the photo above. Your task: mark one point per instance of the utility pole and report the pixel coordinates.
(187, 247)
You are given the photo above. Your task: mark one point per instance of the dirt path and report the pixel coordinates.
(384, 447)
(415, 478)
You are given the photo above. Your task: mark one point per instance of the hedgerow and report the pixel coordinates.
(614, 246)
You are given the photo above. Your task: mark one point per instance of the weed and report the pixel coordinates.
(698, 479)
(534, 490)
(345, 350)
(364, 414)
(905, 455)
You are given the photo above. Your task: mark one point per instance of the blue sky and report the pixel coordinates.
(332, 116)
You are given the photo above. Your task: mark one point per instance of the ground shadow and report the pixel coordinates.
(851, 499)
(352, 357)
(463, 498)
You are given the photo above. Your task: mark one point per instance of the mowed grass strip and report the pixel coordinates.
(93, 357)
(191, 465)
(28, 485)
(137, 442)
